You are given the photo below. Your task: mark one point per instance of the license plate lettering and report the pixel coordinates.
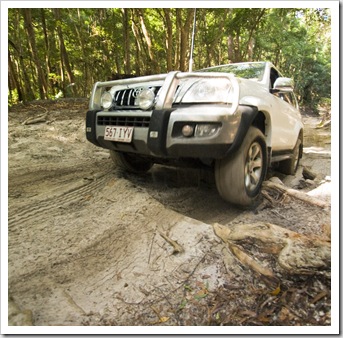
(118, 134)
(128, 133)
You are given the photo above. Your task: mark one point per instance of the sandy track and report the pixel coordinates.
(87, 247)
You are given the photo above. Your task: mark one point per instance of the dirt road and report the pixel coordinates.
(91, 245)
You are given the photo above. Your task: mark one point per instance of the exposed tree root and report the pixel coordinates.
(296, 253)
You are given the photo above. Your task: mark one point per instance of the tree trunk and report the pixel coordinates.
(22, 74)
(251, 40)
(184, 35)
(238, 47)
(78, 29)
(47, 50)
(63, 52)
(32, 44)
(251, 49)
(126, 42)
(230, 48)
(154, 65)
(169, 40)
(138, 46)
(178, 38)
(13, 79)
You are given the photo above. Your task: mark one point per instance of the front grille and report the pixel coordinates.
(128, 121)
(124, 98)
(127, 97)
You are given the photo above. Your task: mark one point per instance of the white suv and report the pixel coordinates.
(237, 118)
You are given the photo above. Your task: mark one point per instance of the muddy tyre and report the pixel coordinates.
(290, 166)
(130, 162)
(239, 176)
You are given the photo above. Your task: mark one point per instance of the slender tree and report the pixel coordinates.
(65, 64)
(33, 49)
(169, 37)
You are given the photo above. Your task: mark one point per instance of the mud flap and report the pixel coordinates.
(157, 136)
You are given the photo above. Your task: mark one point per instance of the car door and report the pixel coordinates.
(285, 116)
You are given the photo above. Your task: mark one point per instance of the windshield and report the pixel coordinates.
(253, 70)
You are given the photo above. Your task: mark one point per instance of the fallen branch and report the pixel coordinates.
(296, 194)
(177, 247)
(152, 241)
(33, 120)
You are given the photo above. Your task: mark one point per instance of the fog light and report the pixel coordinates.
(187, 130)
(206, 130)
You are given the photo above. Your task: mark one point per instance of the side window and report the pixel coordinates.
(273, 76)
(292, 99)
(288, 97)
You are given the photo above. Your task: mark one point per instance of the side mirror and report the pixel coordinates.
(283, 84)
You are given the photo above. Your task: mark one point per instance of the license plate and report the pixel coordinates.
(118, 133)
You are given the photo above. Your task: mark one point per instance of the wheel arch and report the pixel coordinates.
(262, 121)
(252, 117)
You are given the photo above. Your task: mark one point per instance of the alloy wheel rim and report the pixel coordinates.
(253, 167)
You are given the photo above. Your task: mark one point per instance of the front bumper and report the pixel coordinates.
(160, 136)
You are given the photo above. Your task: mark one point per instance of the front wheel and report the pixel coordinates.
(239, 177)
(130, 162)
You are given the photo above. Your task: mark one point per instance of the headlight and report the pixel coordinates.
(217, 90)
(145, 99)
(106, 100)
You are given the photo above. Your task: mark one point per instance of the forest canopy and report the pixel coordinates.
(62, 52)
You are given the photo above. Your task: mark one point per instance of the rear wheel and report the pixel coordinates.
(130, 162)
(290, 166)
(239, 177)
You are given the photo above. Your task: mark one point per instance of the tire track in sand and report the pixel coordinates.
(53, 205)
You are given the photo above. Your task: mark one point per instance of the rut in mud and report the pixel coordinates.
(91, 245)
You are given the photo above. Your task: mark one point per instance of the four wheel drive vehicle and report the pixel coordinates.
(236, 118)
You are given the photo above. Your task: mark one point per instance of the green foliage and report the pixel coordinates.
(299, 45)
(77, 47)
(13, 97)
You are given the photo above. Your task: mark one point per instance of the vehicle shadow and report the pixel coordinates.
(188, 191)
